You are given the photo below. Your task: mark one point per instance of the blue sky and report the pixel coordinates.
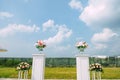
(60, 23)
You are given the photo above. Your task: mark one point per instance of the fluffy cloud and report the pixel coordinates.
(104, 36)
(100, 39)
(101, 13)
(5, 15)
(48, 24)
(13, 28)
(63, 32)
(75, 4)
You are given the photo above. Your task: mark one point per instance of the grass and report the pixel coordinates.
(111, 73)
(6, 72)
(60, 73)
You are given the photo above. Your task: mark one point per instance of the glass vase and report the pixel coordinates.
(98, 75)
(22, 74)
(93, 75)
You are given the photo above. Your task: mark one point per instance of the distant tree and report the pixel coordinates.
(9, 63)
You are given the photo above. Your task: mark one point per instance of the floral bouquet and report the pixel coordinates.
(40, 45)
(23, 66)
(96, 67)
(81, 45)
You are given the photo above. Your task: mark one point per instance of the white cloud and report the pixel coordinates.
(6, 15)
(75, 4)
(101, 13)
(100, 45)
(13, 28)
(63, 33)
(100, 39)
(48, 24)
(104, 36)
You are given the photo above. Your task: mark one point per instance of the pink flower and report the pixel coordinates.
(40, 42)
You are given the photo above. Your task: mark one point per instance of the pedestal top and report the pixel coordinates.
(38, 54)
(82, 55)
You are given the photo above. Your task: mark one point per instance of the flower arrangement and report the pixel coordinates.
(96, 67)
(23, 66)
(81, 45)
(40, 45)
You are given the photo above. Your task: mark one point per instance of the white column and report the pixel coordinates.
(38, 66)
(82, 65)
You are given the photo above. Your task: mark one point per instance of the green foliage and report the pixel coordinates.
(61, 62)
(10, 62)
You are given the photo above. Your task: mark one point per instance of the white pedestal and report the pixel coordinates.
(82, 65)
(38, 66)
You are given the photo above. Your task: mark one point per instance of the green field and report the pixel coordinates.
(60, 73)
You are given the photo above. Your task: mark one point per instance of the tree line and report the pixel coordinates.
(61, 62)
